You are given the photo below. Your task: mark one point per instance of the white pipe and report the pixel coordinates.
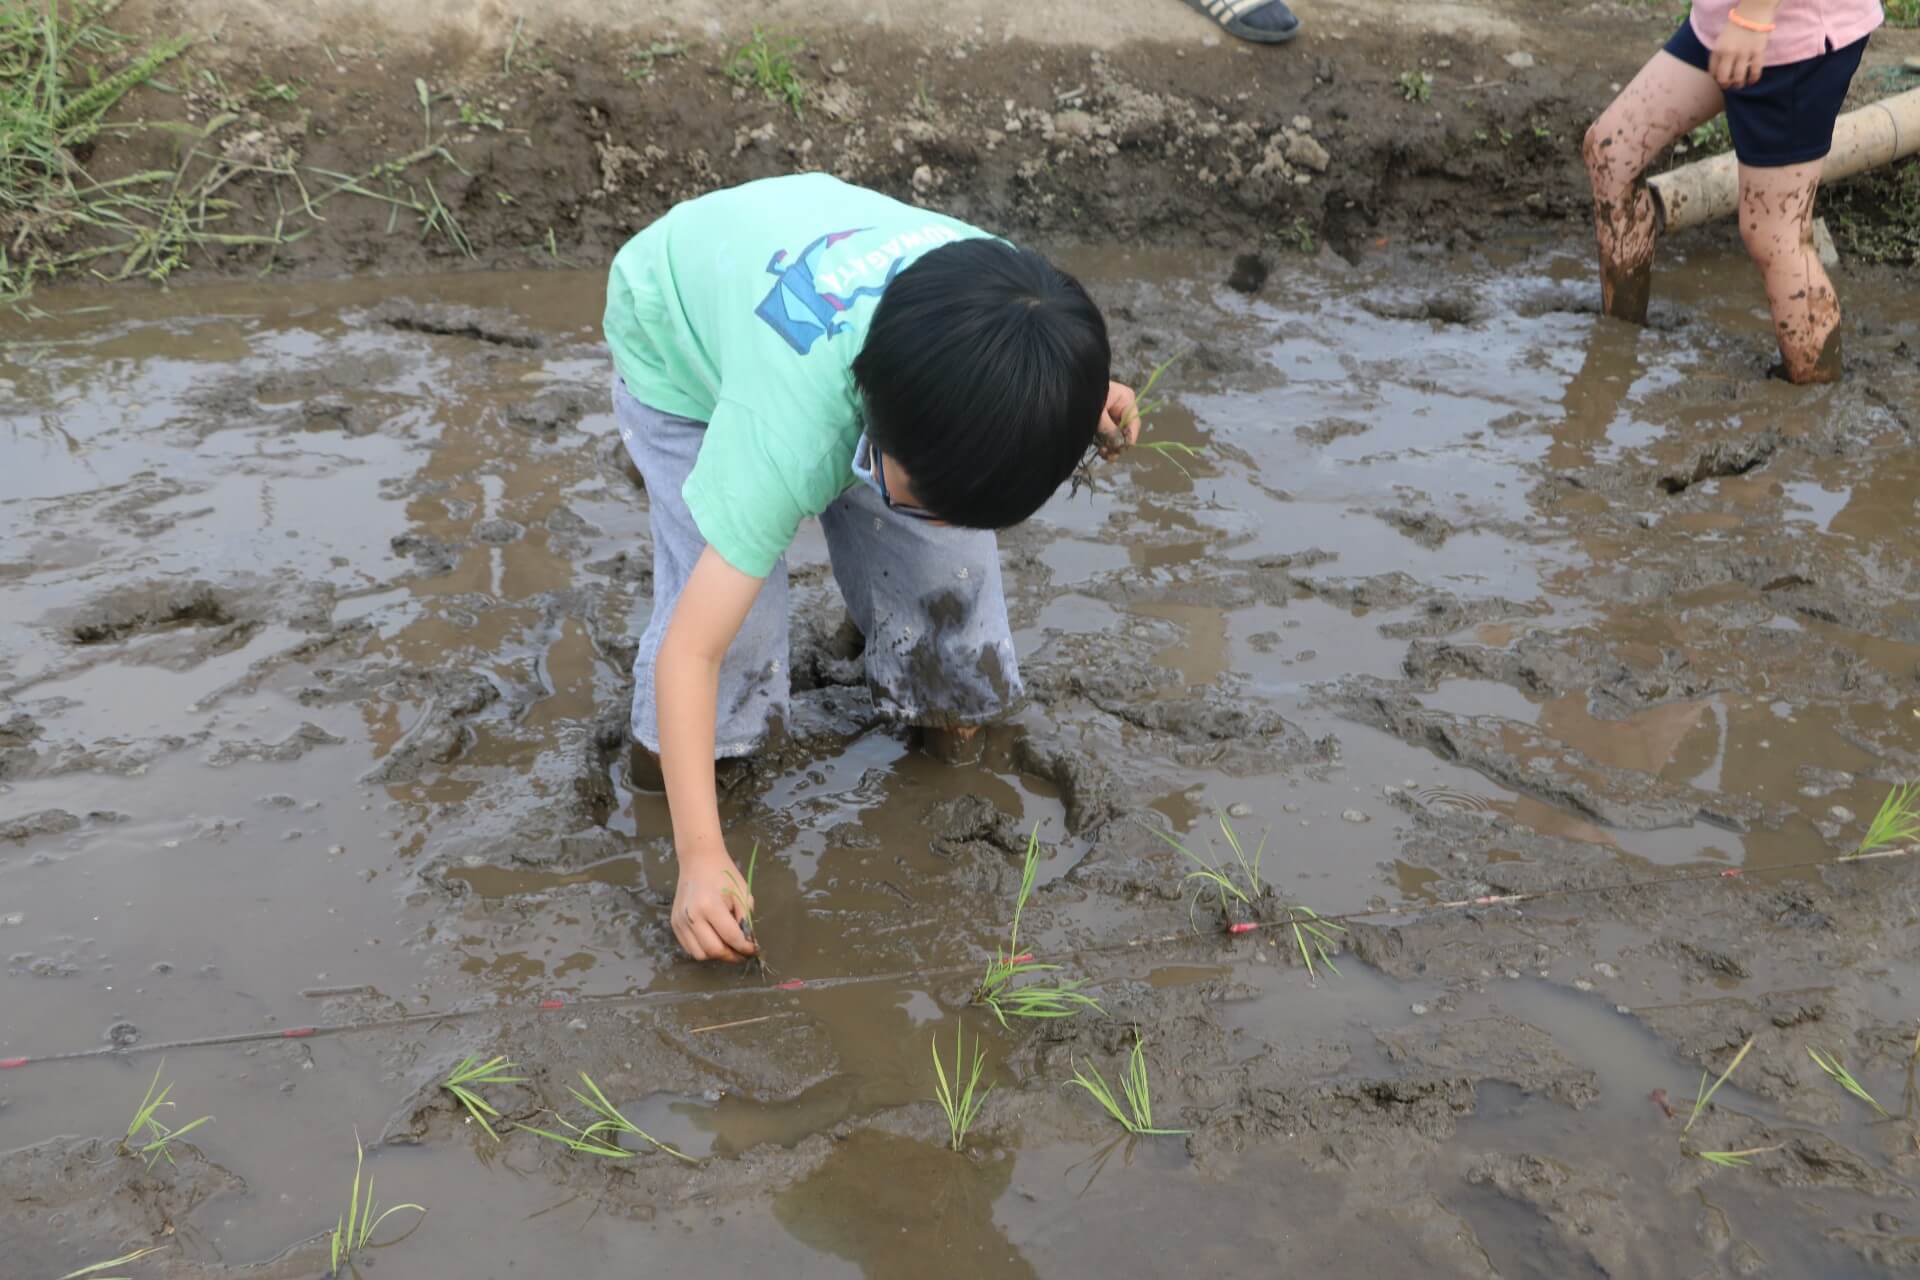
(1875, 135)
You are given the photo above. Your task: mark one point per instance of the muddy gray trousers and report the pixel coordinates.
(927, 598)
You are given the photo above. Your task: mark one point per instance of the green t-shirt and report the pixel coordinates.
(744, 309)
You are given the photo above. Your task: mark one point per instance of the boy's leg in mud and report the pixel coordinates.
(927, 598)
(754, 681)
(1666, 100)
(1776, 224)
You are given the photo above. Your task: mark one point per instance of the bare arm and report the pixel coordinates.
(708, 615)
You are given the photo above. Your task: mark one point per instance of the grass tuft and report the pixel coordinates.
(354, 1229)
(601, 1138)
(962, 1105)
(146, 1121)
(765, 62)
(1034, 999)
(1898, 821)
(1137, 1118)
(466, 1079)
(1703, 1095)
(1241, 883)
(1838, 1073)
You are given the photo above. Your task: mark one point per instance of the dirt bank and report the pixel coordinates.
(338, 140)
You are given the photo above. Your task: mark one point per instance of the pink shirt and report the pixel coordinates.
(1802, 29)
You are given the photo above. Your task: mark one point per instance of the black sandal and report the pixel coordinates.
(1261, 21)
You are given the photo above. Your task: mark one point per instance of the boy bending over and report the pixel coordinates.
(799, 347)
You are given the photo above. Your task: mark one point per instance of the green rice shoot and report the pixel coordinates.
(1838, 1073)
(465, 1083)
(1243, 883)
(353, 1231)
(1898, 821)
(1703, 1095)
(961, 1103)
(1145, 405)
(601, 1137)
(147, 1135)
(1735, 1159)
(1051, 999)
(1137, 1117)
(94, 1271)
(740, 889)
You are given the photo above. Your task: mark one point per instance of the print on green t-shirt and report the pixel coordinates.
(744, 309)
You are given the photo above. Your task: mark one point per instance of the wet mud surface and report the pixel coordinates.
(315, 614)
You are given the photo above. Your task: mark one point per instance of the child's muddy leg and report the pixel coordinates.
(1776, 223)
(927, 597)
(1666, 100)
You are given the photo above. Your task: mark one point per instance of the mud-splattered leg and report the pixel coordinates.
(1664, 101)
(1776, 223)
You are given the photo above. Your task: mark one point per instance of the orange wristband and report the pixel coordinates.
(1733, 16)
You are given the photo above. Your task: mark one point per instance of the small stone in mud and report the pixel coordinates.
(1581, 984)
(578, 1024)
(122, 1035)
(1841, 813)
(1239, 809)
(1354, 815)
(161, 966)
(1511, 973)
(497, 531)
(1418, 1010)
(13, 920)
(1605, 970)
(1520, 58)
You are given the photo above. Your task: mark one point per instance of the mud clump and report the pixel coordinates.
(136, 611)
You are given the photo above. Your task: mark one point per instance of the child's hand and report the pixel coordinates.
(1738, 58)
(708, 905)
(1120, 422)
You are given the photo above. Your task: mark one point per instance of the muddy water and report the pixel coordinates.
(315, 610)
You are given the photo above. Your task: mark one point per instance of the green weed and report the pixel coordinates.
(1898, 821)
(266, 89)
(1711, 138)
(474, 117)
(465, 1083)
(765, 62)
(157, 1136)
(1137, 1118)
(1838, 1073)
(642, 62)
(1703, 1095)
(1416, 86)
(1035, 999)
(601, 1138)
(961, 1105)
(1903, 13)
(121, 1261)
(354, 1229)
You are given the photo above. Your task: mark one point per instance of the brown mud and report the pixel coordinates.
(318, 609)
(548, 138)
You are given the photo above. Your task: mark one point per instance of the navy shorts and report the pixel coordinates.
(1787, 116)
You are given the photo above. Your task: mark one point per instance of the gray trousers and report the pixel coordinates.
(927, 598)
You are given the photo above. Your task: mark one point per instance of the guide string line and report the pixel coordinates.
(1293, 917)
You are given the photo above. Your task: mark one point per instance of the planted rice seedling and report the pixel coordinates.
(1240, 890)
(962, 1103)
(1735, 1159)
(1137, 1118)
(601, 1138)
(466, 1080)
(1703, 1095)
(741, 893)
(1035, 999)
(146, 1121)
(94, 1271)
(765, 62)
(1838, 1073)
(354, 1229)
(1898, 821)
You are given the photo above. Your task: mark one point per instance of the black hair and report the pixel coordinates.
(984, 375)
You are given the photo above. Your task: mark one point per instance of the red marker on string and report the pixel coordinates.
(791, 984)
(1245, 926)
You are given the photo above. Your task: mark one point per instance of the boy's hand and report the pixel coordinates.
(707, 908)
(1120, 422)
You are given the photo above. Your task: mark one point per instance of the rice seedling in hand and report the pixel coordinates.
(466, 1079)
(1034, 999)
(1137, 1118)
(602, 1137)
(93, 1272)
(353, 1230)
(740, 892)
(1897, 823)
(962, 1103)
(1146, 405)
(146, 1134)
(1703, 1095)
(1838, 1073)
